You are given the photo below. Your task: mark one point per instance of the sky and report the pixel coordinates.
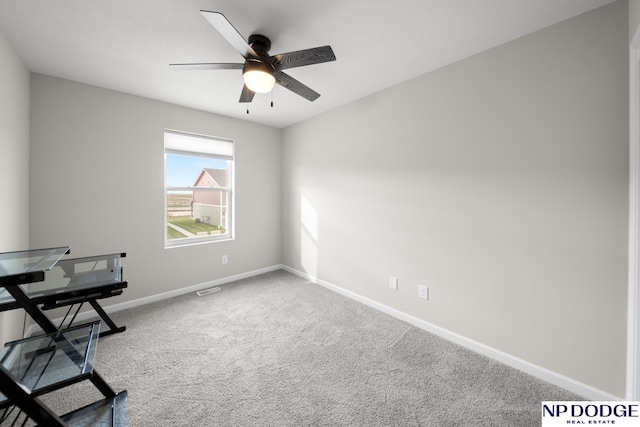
(182, 171)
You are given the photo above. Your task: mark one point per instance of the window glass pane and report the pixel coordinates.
(197, 196)
(187, 171)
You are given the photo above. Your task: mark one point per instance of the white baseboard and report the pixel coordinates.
(90, 314)
(544, 374)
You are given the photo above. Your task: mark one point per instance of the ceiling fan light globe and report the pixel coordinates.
(259, 81)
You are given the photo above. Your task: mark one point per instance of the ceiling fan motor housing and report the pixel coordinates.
(261, 44)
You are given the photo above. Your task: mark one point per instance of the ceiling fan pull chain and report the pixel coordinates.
(247, 110)
(272, 99)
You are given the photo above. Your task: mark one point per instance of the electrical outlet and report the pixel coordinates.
(393, 283)
(225, 259)
(423, 292)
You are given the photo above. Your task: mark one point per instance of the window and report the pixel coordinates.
(198, 182)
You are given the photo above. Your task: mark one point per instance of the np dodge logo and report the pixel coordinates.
(619, 414)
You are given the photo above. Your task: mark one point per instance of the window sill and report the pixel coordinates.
(195, 242)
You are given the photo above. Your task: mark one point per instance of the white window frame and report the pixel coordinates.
(197, 145)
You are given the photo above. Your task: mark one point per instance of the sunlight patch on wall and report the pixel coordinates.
(308, 237)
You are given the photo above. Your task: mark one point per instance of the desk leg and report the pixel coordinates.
(102, 385)
(104, 316)
(43, 321)
(32, 406)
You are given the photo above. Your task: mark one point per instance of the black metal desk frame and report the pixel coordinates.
(16, 394)
(66, 296)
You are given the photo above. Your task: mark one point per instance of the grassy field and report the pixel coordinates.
(179, 214)
(179, 199)
(174, 234)
(190, 225)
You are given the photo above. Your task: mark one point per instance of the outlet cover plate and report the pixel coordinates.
(423, 292)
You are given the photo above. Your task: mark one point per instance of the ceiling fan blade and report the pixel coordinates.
(206, 66)
(295, 86)
(246, 95)
(299, 58)
(229, 32)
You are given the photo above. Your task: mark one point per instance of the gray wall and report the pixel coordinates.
(14, 167)
(97, 177)
(634, 17)
(499, 181)
(633, 385)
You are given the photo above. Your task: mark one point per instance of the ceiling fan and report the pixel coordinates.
(261, 71)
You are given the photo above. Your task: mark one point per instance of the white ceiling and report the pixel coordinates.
(126, 45)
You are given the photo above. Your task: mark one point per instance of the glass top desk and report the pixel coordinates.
(60, 357)
(34, 366)
(48, 362)
(28, 266)
(67, 282)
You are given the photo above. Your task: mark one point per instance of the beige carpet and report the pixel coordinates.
(276, 350)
